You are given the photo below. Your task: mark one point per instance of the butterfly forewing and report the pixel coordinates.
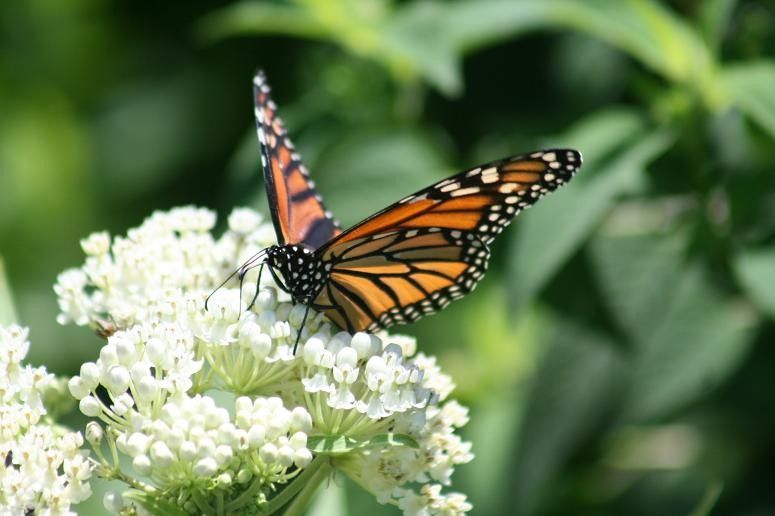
(298, 212)
(414, 257)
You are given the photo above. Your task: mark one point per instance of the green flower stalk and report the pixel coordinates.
(211, 407)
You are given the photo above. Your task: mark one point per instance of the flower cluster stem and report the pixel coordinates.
(300, 491)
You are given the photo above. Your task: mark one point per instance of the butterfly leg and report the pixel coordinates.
(258, 286)
(303, 321)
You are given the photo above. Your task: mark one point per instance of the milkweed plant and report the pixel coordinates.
(208, 410)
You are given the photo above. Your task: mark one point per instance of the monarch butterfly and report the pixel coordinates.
(406, 261)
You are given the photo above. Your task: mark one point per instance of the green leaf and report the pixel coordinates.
(687, 337)
(578, 382)
(750, 85)
(262, 18)
(755, 270)
(330, 500)
(153, 504)
(374, 168)
(556, 227)
(714, 18)
(435, 35)
(634, 274)
(7, 310)
(339, 444)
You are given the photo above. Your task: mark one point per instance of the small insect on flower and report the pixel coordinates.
(408, 260)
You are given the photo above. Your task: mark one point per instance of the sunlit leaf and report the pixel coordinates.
(755, 269)
(750, 85)
(338, 444)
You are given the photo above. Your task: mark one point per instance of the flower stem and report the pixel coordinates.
(304, 486)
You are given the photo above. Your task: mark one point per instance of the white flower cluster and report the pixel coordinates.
(42, 468)
(196, 440)
(169, 354)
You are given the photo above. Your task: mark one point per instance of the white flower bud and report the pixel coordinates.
(142, 465)
(205, 447)
(244, 475)
(300, 420)
(223, 454)
(256, 436)
(268, 453)
(285, 456)
(139, 370)
(96, 243)
(361, 342)
(108, 354)
(90, 375)
(261, 345)
(170, 413)
(205, 467)
(147, 388)
(122, 404)
(78, 388)
(302, 457)
(312, 350)
(126, 350)
(188, 451)
(296, 315)
(112, 502)
(90, 406)
(224, 479)
(160, 430)
(161, 454)
(137, 444)
(94, 433)
(267, 301)
(243, 403)
(298, 440)
(240, 440)
(266, 319)
(155, 350)
(175, 438)
(117, 380)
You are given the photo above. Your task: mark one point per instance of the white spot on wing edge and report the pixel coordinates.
(465, 191)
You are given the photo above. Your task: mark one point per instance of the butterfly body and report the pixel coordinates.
(405, 261)
(302, 273)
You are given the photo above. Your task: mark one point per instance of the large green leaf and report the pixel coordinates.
(635, 274)
(578, 382)
(687, 337)
(755, 269)
(750, 85)
(552, 231)
(429, 39)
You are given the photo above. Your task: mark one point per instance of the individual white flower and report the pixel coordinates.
(363, 403)
(42, 468)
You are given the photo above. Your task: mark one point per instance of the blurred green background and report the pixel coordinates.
(618, 358)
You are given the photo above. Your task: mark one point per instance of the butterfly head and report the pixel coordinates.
(303, 273)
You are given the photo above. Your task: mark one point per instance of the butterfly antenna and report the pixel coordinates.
(298, 335)
(207, 300)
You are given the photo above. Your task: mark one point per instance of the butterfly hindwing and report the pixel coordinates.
(414, 257)
(298, 212)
